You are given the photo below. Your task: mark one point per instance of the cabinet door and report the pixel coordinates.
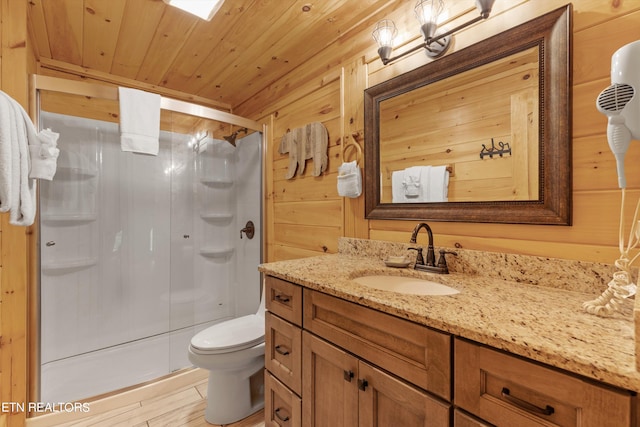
(329, 390)
(387, 401)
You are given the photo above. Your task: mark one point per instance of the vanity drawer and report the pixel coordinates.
(506, 390)
(282, 408)
(284, 299)
(283, 351)
(414, 352)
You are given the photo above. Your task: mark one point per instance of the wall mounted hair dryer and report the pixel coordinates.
(620, 102)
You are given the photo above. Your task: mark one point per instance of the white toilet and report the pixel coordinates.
(233, 352)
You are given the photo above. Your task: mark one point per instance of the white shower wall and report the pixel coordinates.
(138, 253)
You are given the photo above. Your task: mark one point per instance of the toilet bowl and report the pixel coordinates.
(233, 352)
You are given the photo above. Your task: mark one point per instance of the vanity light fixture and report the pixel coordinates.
(435, 43)
(204, 9)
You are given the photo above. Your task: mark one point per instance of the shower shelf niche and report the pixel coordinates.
(209, 252)
(65, 267)
(66, 173)
(214, 181)
(216, 216)
(68, 219)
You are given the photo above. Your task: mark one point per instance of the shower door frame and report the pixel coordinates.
(94, 90)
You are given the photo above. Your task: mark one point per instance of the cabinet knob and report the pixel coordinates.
(363, 384)
(348, 375)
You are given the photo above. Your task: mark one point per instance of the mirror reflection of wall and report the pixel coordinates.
(447, 123)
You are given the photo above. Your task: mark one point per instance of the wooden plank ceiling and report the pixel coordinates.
(248, 44)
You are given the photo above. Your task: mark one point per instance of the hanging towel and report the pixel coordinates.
(349, 180)
(44, 155)
(17, 191)
(413, 188)
(397, 187)
(139, 121)
(438, 184)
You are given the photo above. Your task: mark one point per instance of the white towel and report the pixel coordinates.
(44, 155)
(438, 184)
(412, 184)
(397, 187)
(349, 180)
(17, 191)
(139, 121)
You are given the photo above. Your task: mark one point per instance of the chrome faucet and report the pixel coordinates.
(429, 263)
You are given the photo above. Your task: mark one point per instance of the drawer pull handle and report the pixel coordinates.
(348, 375)
(280, 417)
(282, 350)
(523, 404)
(363, 384)
(282, 298)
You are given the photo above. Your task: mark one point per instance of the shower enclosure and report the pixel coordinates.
(138, 253)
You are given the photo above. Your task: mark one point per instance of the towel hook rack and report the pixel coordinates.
(355, 145)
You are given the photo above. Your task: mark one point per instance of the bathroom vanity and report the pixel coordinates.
(499, 353)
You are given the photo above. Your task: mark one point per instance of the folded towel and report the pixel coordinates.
(438, 184)
(139, 121)
(397, 187)
(17, 191)
(412, 184)
(44, 156)
(349, 180)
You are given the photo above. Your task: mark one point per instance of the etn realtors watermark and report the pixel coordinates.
(43, 407)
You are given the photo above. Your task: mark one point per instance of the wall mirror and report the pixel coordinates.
(481, 135)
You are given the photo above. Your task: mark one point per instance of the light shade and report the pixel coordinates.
(384, 33)
(204, 9)
(428, 12)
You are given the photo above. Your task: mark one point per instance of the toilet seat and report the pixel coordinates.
(229, 336)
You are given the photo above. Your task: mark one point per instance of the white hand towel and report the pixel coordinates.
(412, 184)
(397, 187)
(44, 155)
(438, 185)
(349, 180)
(139, 121)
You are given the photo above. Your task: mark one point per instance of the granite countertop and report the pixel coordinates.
(538, 322)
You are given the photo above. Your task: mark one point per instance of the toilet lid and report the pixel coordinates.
(230, 335)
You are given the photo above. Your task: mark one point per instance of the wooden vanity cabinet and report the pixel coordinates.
(506, 391)
(339, 390)
(333, 363)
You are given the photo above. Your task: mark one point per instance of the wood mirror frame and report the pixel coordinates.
(552, 33)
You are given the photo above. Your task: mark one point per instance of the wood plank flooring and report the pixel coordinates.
(167, 403)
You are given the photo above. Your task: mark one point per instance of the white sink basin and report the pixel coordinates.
(406, 285)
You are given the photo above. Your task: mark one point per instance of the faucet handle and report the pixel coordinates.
(419, 257)
(442, 261)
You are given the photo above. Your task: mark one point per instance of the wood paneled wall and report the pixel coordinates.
(307, 214)
(16, 60)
